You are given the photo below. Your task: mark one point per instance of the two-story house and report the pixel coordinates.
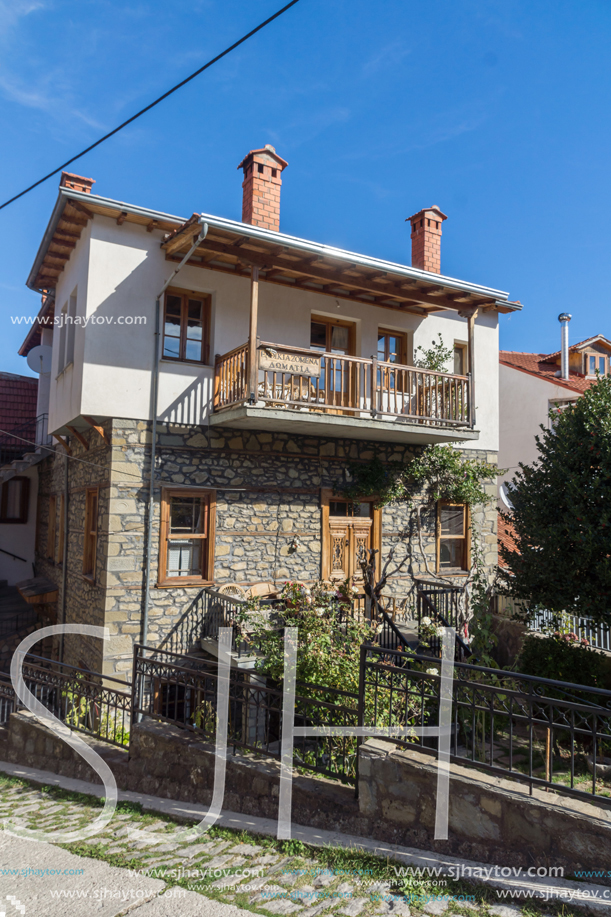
(533, 384)
(246, 367)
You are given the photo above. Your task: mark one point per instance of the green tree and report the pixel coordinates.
(562, 513)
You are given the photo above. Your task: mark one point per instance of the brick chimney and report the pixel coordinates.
(261, 187)
(76, 182)
(426, 239)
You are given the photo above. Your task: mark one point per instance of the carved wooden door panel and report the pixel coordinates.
(349, 540)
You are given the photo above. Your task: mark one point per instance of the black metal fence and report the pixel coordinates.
(546, 733)
(85, 701)
(442, 604)
(183, 691)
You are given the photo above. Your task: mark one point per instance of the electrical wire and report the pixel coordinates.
(143, 111)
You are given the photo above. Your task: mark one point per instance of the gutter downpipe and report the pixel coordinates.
(154, 406)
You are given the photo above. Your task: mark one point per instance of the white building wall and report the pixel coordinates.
(524, 402)
(126, 271)
(20, 539)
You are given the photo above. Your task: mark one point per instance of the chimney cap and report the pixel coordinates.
(267, 151)
(77, 182)
(425, 210)
(564, 317)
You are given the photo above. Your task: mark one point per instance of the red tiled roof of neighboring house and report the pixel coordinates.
(505, 535)
(17, 400)
(539, 364)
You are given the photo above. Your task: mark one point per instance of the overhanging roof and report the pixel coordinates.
(234, 247)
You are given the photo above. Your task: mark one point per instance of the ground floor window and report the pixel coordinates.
(186, 549)
(452, 537)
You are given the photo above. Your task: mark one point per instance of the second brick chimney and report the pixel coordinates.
(426, 238)
(261, 187)
(77, 182)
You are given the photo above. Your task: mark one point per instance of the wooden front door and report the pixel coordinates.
(350, 537)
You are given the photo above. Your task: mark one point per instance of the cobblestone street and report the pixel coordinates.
(220, 872)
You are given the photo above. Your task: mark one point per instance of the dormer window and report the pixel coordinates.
(593, 363)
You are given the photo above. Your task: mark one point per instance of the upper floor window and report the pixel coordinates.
(186, 327)
(595, 362)
(460, 359)
(14, 497)
(392, 346)
(66, 334)
(332, 335)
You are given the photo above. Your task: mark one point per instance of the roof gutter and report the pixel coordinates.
(277, 238)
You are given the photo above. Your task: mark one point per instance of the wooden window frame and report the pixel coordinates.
(52, 527)
(342, 323)
(453, 571)
(328, 496)
(594, 353)
(165, 581)
(61, 530)
(23, 503)
(402, 335)
(185, 295)
(90, 539)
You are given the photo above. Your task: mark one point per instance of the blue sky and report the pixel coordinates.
(495, 110)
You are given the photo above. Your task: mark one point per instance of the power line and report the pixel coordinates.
(152, 104)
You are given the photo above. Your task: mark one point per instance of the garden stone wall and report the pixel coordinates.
(490, 820)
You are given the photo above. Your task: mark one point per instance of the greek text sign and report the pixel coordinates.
(299, 364)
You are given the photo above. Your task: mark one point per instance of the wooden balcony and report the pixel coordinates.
(307, 391)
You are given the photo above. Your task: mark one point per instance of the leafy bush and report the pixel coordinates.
(562, 657)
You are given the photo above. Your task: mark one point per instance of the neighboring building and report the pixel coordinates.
(276, 361)
(18, 476)
(532, 384)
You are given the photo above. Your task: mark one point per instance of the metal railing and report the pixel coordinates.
(598, 635)
(209, 610)
(441, 603)
(23, 439)
(183, 692)
(83, 700)
(534, 730)
(346, 384)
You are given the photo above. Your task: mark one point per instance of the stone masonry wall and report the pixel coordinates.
(85, 598)
(491, 820)
(268, 491)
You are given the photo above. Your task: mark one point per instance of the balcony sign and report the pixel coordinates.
(299, 364)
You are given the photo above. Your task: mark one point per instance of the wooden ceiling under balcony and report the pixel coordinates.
(236, 253)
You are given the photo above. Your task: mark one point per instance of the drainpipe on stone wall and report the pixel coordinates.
(64, 557)
(154, 406)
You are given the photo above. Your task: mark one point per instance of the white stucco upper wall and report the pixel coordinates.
(119, 271)
(524, 403)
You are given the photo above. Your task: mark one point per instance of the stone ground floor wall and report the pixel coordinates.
(490, 820)
(268, 490)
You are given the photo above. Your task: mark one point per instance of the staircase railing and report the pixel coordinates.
(15, 443)
(440, 602)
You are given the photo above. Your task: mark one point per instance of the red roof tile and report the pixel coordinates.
(538, 364)
(505, 538)
(17, 400)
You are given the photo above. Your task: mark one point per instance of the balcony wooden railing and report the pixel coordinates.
(345, 385)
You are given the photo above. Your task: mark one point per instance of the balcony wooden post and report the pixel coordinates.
(471, 355)
(253, 369)
(374, 385)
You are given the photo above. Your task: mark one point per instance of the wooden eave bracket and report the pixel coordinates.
(79, 436)
(96, 426)
(63, 442)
